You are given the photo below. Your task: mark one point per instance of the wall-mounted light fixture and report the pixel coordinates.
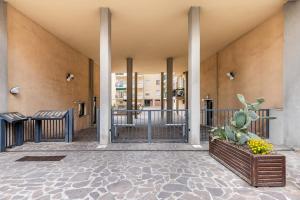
(70, 77)
(231, 75)
(15, 90)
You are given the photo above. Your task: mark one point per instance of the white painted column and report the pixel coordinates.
(194, 75)
(3, 58)
(105, 76)
(291, 72)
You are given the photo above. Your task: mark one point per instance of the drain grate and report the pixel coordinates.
(41, 158)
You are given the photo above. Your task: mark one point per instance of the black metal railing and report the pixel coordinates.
(149, 126)
(221, 117)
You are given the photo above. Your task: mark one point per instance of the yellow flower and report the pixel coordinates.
(259, 146)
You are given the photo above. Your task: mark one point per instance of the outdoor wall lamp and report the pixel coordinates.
(230, 75)
(15, 90)
(70, 77)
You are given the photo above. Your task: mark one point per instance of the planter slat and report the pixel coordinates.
(257, 170)
(271, 161)
(269, 173)
(223, 149)
(242, 168)
(268, 168)
(237, 154)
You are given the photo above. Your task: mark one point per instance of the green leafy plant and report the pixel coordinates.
(238, 129)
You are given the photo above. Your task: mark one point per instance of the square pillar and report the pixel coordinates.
(162, 94)
(129, 90)
(194, 75)
(169, 90)
(186, 90)
(135, 94)
(105, 76)
(3, 58)
(91, 91)
(291, 71)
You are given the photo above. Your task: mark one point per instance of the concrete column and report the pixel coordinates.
(135, 93)
(3, 58)
(105, 75)
(194, 75)
(91, 90)
(129, 89)
(162, 93)
(291, 72)
(169, 89)
(186, 90)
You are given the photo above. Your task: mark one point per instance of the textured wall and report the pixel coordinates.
(209, 80)
(97, 82)
(38, 63)
(257, 59)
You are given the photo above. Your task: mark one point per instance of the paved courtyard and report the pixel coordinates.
(148, 175)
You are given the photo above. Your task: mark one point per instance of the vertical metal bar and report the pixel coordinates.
(135, 94)
(51, 125)
(45, 129)
(263, 123)
(19, 131)
(267, 123)
(187, 124)
(8, 135)
(66, 128)
(61, 132)
(55, 129)
(149, 127)
(38, 131)
(259, 124)
(2, 135)
(174, 128)
(70, 125)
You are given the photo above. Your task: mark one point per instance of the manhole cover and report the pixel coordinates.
(41, 158)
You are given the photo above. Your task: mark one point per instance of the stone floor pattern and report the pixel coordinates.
(148, 175)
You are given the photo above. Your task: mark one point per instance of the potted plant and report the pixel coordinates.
(245, 153)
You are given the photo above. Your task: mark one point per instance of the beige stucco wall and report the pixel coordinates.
(38, 62)
(257, 61)
(208, 79)
(97, 83)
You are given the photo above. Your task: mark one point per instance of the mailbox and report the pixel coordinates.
(16, 120)
(54, 115)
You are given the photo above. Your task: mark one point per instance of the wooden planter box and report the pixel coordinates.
(257, 170)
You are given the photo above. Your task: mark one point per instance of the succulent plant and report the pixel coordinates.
(237, 131)
(239, 119)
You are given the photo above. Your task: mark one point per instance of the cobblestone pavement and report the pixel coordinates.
(148, 175)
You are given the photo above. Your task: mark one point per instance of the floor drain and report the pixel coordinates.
(41, 158)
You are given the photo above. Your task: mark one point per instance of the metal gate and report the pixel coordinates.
(166, 126)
